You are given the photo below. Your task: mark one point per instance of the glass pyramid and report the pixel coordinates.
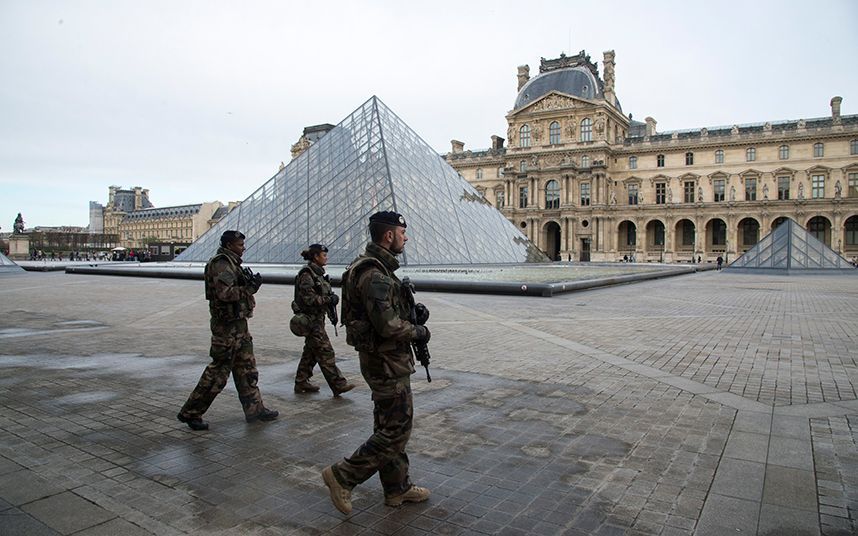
(7, 265)
(371, 161)
(791, 248)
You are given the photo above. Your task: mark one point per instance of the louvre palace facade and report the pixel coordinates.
(584, 181)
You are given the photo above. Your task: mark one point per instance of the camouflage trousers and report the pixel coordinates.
(318, 349)
(384, 451)
(231, 351)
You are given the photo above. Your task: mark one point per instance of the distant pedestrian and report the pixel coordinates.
(719, 261)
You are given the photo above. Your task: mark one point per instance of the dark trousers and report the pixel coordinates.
(318, 349)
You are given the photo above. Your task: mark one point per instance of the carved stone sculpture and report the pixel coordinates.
(732, 193)
(18, 226)
(838, 190)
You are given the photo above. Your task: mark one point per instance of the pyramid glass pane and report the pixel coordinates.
(371, 161)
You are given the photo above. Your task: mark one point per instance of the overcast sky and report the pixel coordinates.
(201, 100)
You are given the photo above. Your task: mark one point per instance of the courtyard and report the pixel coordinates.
(710, 403)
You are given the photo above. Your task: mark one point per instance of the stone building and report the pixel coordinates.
(130, 215)
(584, 181)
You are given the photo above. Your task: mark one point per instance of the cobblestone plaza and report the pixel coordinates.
(711, 403)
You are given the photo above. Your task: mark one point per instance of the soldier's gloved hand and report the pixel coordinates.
(421, 312)
(334, 299)
(422, 336)
(254, 283)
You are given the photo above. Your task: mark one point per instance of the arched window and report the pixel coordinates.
(750, 154)
(587, 130)
(689, 159)
(522, 166)
(633, 162)
(818, 150)
(852, 231)
(719, 156)
(659, 160)
(552, 194)
(585, 161)
(479, 173)
(783, 152)
(554, 133)
(524, 136)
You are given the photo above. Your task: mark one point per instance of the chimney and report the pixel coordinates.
(138, 201)
(650, 126)
(523, 75)
(608, 64)
(458, 146)
(835, 108)
(111, 200)
(497, 143)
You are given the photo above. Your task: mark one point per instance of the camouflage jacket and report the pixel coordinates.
(373, 296)
(229, 297)
(312, 292)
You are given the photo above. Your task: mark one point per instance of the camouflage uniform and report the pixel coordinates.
(231, 303)
(313, 297)
(379, 330)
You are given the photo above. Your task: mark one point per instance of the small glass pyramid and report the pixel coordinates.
(371, 161)
(791, 247)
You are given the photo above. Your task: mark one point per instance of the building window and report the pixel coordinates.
(719, 156)
(479, 173)
(554, 133)
(631, 234)
(688, 189)
(687, 233)
(750, 232)
(853, 147)
(659, 160)
(499, 199)
(522, 166)
(783, 152)
(585, 194)
(852, 185)
(585, 161)
(658, 235)
(689, 159)
(633, 194)
(817, 186)
(750, 154)
(718, 186)
(750, 189)
(783, 188)
(852, 231)
(660, 193)
(524, 136)
(522, 197)
(633, 162)
(816, 226)
(500, 172)
(552, 195)
(818, 150)
(587, 130)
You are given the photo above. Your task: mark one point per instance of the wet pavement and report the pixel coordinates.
(702, 404)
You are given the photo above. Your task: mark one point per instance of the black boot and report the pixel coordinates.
(265, 415)
(194, 423)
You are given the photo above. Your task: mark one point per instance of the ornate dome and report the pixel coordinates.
(575, 81)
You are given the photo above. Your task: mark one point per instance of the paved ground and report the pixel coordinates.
(705, 404)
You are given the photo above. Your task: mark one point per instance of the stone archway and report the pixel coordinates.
(685, 238)
(820, 227)
(553, 240)
(627, 238)
(749, 234)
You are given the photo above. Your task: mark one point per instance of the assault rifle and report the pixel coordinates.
(332, 309)
(251, 279)
(421, 350)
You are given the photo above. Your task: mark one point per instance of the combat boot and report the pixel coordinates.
(265, 415)
(306, 387)
(345, 388)
(414, 494)
(194, 423)
(340, 496)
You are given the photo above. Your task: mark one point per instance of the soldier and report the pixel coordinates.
(230, 291)
(314, 297)
(374, 314)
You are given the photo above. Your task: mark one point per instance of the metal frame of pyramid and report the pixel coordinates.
(369, 162)
(791, 249)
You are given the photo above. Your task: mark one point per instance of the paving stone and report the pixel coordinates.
(728, 515)
(782, 520)
(740, 479)
(792, 488)
(20, 524)
(67, 512)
